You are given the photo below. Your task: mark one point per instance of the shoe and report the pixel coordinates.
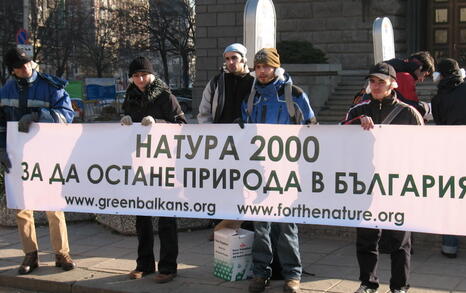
(258, 284)
(164, 278)
(291, 286)
(64, 261)
(398, 291)
(365, 289)
(137, 274)
(449, 255)
(30, 262)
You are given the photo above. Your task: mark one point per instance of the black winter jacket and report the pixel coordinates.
(379, 110)
(449, 105)
(157, 101)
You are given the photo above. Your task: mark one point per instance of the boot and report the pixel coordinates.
(30, 262)
(64, 261)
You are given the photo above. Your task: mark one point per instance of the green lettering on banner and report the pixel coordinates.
(391, 177)
(107, 174)
(37, 173)
(25, 175)
(140, 145)
(179, 139)
(169, 176)
(72, 174)
(210, 144)
(409, 186)
(154, 176)
(57, 172)
(235, 175)
(100, 174)
(194, 147)
(297, 142)
(139, 176)
(222, 177)
(256, 156)
(339, 182)
(450, 184)
(246, 181)
(317, 181)
(357, 184)
(462, 184)
(376, 179)
(427, 182)
(127, 168)
(315, 155)
(193, 177)
(229, 149)
(277, 146)
(292, 182)
(204, 174)
(268, 186)
(163, 148)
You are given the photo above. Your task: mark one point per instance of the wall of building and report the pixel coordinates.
(341, 28)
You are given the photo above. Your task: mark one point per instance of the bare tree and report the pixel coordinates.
(10, 22)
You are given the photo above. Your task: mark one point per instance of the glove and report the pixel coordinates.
(25, 122)
(148, 120)
(240, 122)
(126, 120)
(5, 161)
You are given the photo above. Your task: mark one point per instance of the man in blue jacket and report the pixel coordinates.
(275, 100)
(30, 96)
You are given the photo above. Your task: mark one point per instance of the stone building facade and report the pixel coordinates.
(341, 28)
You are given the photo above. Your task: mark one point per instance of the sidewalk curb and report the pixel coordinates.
(37, 285)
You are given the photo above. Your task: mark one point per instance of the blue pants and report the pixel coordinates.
(285, 237)
(450, 244)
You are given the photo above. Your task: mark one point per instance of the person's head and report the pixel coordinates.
(426, 64)
(141, 72)
(447, 67)
(382, 80)
(235, 58)
(266, 61)
(18, 63)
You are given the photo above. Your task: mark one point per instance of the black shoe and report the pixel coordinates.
(449, 255)
(30, 262)
(64, 261)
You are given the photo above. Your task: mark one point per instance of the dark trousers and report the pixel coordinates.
(367, 247)
(168, 236)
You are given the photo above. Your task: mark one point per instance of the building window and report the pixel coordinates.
(463, 14)
(441, 15)
(441, 36)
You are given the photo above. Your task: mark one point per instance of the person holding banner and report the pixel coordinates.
(30, 96)
(222, 97)
(449, 108)
(272, 90)
(383, 107)
(149, 101)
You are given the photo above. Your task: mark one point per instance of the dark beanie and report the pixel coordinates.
(140, 64)
(448, 66)
(15, 58)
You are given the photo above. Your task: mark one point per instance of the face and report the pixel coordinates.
(24, 71)
(421, 75)
(141, 80)
(380, 88)
(234, 62)
(264, 73)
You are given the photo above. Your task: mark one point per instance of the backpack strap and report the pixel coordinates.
(252, 94)
(392, 115)
(289, 102)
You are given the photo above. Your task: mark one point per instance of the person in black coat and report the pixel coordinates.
(148, 100)
(449, 108)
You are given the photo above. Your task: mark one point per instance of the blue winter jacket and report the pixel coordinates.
(41, 93)
(270, 105)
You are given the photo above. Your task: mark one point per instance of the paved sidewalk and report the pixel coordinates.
(104, 259)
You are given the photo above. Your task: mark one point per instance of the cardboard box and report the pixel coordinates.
(233, 254)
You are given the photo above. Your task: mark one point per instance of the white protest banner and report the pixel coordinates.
(395, 177)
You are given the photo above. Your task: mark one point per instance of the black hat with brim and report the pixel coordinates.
(16, 58)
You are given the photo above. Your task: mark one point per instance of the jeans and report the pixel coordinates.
(367, 246)
(168, 236)
(285, 237)
(450, 244)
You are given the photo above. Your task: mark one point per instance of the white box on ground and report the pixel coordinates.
(233, 254)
